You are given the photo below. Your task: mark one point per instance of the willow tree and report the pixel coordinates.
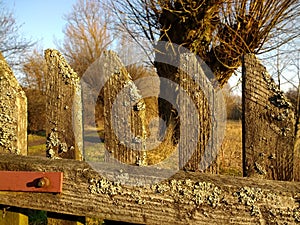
(218, 31)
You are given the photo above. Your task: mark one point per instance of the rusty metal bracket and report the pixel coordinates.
(25, 181)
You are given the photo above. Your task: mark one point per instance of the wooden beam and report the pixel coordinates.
(185, 198)
(12, 218)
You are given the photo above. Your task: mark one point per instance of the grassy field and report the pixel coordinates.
(230, 155)
(37, 144)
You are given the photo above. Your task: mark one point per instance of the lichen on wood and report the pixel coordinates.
(185, 198)
(210, 120)
(268, 125)
(63, 109)
(13, 112)
(125, 125)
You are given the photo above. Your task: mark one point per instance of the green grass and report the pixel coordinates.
(94, 152)
(36, 217)
(36, 144)
(37, 150)
(231, 172)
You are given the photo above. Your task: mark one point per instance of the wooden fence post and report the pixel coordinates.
(204, 96)
(13, 125)
(63, 109)
(268, 125)
(120, 146)
(63, 117)
(124, 112)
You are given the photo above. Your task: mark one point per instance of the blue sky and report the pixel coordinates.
(41, 20)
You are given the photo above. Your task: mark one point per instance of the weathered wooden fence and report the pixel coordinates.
(13, 108)
(125, 122)
(63, 116)
(13, 122)
(211, 116)
(268, 125)
(63, 107)
(184, 198)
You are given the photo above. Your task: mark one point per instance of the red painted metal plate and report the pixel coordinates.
(31, 181)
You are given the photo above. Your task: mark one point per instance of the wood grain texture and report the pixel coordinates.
(268, 125)
(63, 109)
(13, 112)
(13, 123)
(108, 82)
(201, 125)
(185, 198)
(124, 110)
(64, 114)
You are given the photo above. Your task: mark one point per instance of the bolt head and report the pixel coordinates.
(43, 182)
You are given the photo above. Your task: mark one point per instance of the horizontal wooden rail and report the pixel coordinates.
(185, 198)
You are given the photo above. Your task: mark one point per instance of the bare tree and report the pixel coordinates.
(282, 63)
(294, 92)
(12, 44)
(35, 70)
(219, 31)
(86, 34)
(286, 69)
(233, 103)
